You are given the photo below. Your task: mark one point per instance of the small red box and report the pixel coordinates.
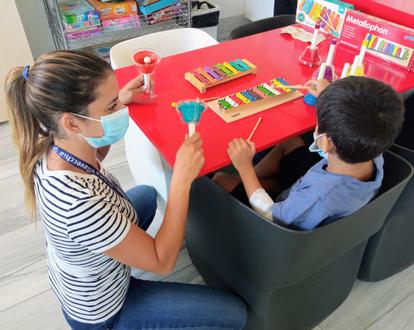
(388, 41)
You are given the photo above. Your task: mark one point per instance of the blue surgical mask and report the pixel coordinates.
(314, 147)
(114, 126)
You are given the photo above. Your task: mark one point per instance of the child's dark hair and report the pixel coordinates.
(362, 116)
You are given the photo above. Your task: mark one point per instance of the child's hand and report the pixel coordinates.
(131, 91)
(241, 153)
(317, 86)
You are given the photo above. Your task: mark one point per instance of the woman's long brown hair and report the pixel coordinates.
(58, 82)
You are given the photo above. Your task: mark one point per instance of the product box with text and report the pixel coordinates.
(113, 10)
(331, 14)
(388, 41)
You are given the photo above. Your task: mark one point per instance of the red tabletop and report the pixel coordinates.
(275, 55)
(397, 11)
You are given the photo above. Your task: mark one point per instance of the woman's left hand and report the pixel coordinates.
(133, 89)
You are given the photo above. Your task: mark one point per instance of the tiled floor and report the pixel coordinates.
(26, 301)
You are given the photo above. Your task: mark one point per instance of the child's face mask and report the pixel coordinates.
(314, 147)
(114, 126)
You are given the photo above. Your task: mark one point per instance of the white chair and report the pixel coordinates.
(165, 43)
(146, 164)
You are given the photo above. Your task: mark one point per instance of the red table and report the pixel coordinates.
(397, 11)
(275, 55)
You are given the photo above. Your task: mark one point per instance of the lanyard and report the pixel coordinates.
(73, 160)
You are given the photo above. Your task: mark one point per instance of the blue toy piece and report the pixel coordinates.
(310, 99)
(191, 110)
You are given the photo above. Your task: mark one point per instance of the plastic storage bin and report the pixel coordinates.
(204, 14)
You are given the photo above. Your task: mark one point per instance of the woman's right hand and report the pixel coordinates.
(189, 159)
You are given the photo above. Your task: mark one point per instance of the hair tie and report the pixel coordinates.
(25, 72)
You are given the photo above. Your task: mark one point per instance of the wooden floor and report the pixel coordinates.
(27, 302)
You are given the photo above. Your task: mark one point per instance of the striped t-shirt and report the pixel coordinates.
(83, 217)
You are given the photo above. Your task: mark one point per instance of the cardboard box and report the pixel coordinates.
(388, 41)
(114, 10)
(77, 15)
(156, 6)
(116, 24)
(330, 12)
(148, 2)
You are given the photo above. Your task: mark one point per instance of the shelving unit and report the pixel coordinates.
(104, 37)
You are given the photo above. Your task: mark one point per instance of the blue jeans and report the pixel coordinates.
(163, 305)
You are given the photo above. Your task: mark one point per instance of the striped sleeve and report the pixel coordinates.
(97, 224)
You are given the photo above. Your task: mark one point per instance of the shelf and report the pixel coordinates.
(180, 19)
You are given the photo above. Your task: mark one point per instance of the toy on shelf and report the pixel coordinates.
(253, 100)
(146, 62)
(190, 111)
(310, 56)
(209, 76)
(329, 72)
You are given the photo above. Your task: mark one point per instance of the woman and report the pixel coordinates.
(65, 112)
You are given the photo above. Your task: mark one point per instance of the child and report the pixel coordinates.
(357, 120)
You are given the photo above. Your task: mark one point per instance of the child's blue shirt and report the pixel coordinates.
(320, 195)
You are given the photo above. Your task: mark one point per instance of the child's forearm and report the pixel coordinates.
(258, 198)
(250, 181)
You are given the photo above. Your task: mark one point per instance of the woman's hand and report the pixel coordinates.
(189, 160)
(241, 153)
(317, 86)
(133, 89)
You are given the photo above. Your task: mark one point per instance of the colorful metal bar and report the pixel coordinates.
(257, 96)
(270, 88)
(248, 95)
(199, 77)
(212, 73)
(206, 75)
(242, 97)
(281, 84)
(236, 99)
(237, 66)
(265, 90)
(259, 92)
(231, 102)
(224, 69)
(224, 104)
(243, 64)
(229, 67)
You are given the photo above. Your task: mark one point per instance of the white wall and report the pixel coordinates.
(258, 9)
(230, 8)
(36, 26)
(14, 47)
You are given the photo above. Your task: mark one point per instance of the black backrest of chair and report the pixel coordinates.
(406, 137)
(387, 252)
(281, 255)
(262, 25)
